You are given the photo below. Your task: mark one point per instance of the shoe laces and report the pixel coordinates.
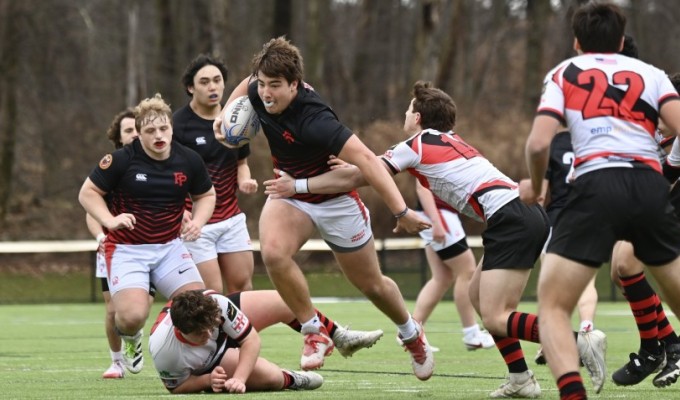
(312, 341)
(417, 349)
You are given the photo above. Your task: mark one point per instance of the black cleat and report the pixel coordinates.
(669, 374)
(639, 367)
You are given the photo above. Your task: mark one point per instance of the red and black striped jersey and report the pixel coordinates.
(197, 134)
(153, 191)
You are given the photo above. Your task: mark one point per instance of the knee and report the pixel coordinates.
(494, 325)
(130, 321)
(274, 258)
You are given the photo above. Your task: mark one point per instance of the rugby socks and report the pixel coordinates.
(408, 330)
(571, 386)
(326, 322)
(666, 332)
(512, 353)
(642, 301)
(311, 326)
(523, 326)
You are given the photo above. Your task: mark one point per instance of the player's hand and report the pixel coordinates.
(411, 223)
(218, 378)
(336, 163)
(219, 136)
(186, 217)
(121, 221)
(101, 248)
(281, 187)
(190, 231)
(527, 194)
(248, 186)
(235, 385)
(438, 233)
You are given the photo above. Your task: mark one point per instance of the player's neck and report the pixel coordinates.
(209, 112)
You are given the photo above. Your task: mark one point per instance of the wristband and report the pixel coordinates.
(401, 214)
(302, 186)
(100, 237)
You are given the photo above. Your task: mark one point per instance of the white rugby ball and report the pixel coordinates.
(240, 122)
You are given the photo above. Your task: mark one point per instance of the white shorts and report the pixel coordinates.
(343, 222)
(452, 225)
(228, 236)
(168, 266)
(100, 264)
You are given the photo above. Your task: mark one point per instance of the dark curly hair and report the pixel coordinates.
(437, 109)
(193, 311)
(196, 64)
(279, 58)
(113, 133)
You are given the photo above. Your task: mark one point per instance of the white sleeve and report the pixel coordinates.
(673, 158)
(403, 156)
(236, 324)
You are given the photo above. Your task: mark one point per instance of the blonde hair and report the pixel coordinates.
(149, 109)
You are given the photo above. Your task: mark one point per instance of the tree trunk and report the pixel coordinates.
(283, 18)
(133, 54)
(9, 15)
(538, 12)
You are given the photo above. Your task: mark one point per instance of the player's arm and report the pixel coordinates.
(526, 192)
(537, 152)
(240, 90)
(341, 179)
(377, 175)
(92, 199)
(193, 384)
(246, 183)
(249, 351)
(426, 199)
(94, 227)
(202, 209)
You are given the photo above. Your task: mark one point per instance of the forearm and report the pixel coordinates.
(248, 354)
(95, 206)
(337, 181)
(93, 226)
(427, 202)
(242, 171)
(203, 207)
(376, 174)
(194, 384)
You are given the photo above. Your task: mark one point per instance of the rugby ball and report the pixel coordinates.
(240, 122)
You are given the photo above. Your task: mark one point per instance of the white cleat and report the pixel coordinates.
(518, 385)
(133, 355)
(317, 346)
(592, 348)
(422, 359)
(348, 341)
(304, 380)
(115, 371)
(480, 340)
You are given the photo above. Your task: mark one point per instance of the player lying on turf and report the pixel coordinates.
(203, 341)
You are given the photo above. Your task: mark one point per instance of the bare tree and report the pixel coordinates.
(538, 14)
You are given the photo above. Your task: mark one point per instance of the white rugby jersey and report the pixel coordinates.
(176, 359)
(454, 171)
(610, 103)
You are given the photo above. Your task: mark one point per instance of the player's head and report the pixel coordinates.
(630, 48)
(204, 79)
(599, 28)
(675, 80)
(122, 129)
(194, 312)
(279, 58)
(278, 69)
(430, 108)
(153, 120)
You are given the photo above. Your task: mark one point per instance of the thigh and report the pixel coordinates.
(360, 265)
(234, 236)
(237, 270)
(175, 270)
(129, 266)
(264, 308)
(284, 228)
(344, 223)
(624, 262)
(501, 289)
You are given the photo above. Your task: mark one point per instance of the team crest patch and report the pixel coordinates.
(106, 161)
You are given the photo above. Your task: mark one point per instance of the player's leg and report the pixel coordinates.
(116, 370)
(267, 376)
(237, 270)
(558, 294)
(284, 228)
(265, 308)
(235, 254)
(362, 269)
(642, 301)
(131, 313)
(431, 293)
(587, 305)
(210, 273)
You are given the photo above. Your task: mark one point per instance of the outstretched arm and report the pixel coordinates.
(537, 153)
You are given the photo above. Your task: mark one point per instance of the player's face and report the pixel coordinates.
(128, 131)
(200, 337)
(411, 120)
(276, 93)
(156, 136)
(208, 86)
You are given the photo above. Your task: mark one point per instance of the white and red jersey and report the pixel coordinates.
(176, 359)
(610, 103)
(454, 171)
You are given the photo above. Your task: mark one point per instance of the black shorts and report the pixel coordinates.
(515, 236)
(613, 204)
(454, 250)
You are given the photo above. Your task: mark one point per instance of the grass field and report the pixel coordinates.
(59, 352)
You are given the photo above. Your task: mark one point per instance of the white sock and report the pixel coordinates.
(408, 330)
(311, 326)
(470, 331)
(116, 355)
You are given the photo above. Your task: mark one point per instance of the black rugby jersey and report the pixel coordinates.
(302, 137)
(153, 191)
(557, 174)
(197, 134)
